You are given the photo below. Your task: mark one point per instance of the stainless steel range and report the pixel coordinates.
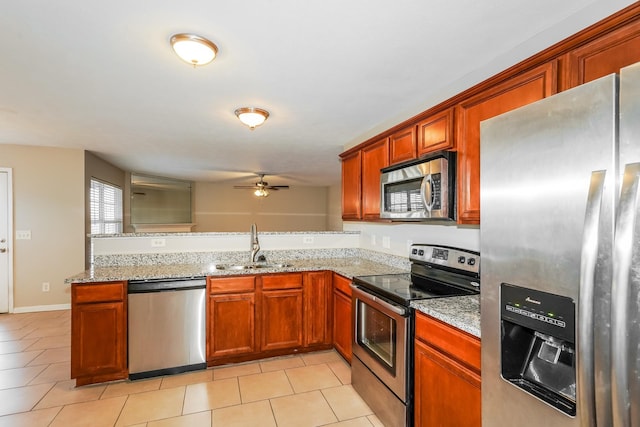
(382, 366)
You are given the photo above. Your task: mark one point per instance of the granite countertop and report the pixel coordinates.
(348, 267)
(460, 312)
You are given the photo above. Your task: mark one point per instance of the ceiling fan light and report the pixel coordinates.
(193, 49)
(261, 192)
(251, 116)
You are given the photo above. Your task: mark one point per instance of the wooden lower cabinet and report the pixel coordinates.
(342, 316)
(231, 324)
(281, 319)
(317, 308)
(447, 363)
(231, 316)
(98, 332)
(437, 380)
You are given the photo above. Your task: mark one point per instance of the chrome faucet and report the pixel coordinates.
(255, 245)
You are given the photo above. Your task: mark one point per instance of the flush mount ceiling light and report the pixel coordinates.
(193, 49)
(252, 117)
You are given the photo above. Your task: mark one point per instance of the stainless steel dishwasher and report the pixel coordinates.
(166, 326)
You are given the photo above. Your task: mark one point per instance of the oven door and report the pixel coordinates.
(381, 339)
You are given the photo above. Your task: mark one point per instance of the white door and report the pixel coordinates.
(5, 254)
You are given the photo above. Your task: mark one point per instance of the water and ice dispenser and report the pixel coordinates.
(538, 345)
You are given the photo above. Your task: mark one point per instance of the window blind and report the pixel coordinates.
(106, 208)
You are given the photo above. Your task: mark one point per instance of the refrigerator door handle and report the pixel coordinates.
(622, 257)
(588, 260)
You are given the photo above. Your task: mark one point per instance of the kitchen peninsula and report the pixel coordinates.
(299, 302)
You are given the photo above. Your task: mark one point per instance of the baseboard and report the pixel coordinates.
(36, 308)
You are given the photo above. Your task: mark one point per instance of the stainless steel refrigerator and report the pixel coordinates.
(560, 245)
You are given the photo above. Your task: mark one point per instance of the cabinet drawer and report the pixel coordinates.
(98, 292)
(225, 285)
(451, 341)
(342, 284)
(282, 281)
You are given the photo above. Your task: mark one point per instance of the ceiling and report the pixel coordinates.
(101, 75)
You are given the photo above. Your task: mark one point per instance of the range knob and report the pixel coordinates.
(414, 251)
(471, 261)
(461, 260)
(421, 252)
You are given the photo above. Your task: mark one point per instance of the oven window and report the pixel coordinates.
(376, 334)
(403, 196)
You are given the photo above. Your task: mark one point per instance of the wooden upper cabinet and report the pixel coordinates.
(436, 133)
(512, 93)
(351, 186)
(374, 158)
(402, 145)
(603, 56)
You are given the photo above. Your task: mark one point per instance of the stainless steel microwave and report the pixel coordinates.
(420, 190)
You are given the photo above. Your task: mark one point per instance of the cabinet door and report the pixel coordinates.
(317, 291)
(437, 379)
(436, 133)
(515, 92)
(231, 325)
(98, 342)
(342, 324)
(603, 56)
(281, 319)
(351, 185)
(402, 145)
(374, 158)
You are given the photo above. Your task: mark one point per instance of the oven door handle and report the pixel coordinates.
(402, 311)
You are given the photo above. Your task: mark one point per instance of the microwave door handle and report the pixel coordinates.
(426, 191)
(623, 249)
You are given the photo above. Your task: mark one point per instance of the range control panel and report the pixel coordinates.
(456, 258)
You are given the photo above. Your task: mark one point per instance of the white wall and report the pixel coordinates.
(48, 197)
(220, 242)
(395, 238)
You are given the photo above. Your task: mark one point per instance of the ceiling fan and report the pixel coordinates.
(261, 188)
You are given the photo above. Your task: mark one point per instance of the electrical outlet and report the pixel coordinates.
(307, 240)
(23, 234)
(158, 243)
(386, 242)
(373, 240)
(45, 286)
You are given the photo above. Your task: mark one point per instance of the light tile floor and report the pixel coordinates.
(311, 389)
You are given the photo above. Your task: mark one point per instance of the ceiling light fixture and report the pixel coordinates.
(261, 192)
(193, 49)
(251, 116)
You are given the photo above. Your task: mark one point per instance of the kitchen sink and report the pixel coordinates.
(249, 266)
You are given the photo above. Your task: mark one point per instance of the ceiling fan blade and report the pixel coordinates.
(278, 187)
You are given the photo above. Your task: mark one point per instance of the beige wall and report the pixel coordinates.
(334, 208)
(220, 207)
(95, 167)
(48, 199)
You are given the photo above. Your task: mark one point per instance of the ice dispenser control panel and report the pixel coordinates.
(538, 345)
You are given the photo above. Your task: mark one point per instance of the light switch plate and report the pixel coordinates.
(23, 234)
